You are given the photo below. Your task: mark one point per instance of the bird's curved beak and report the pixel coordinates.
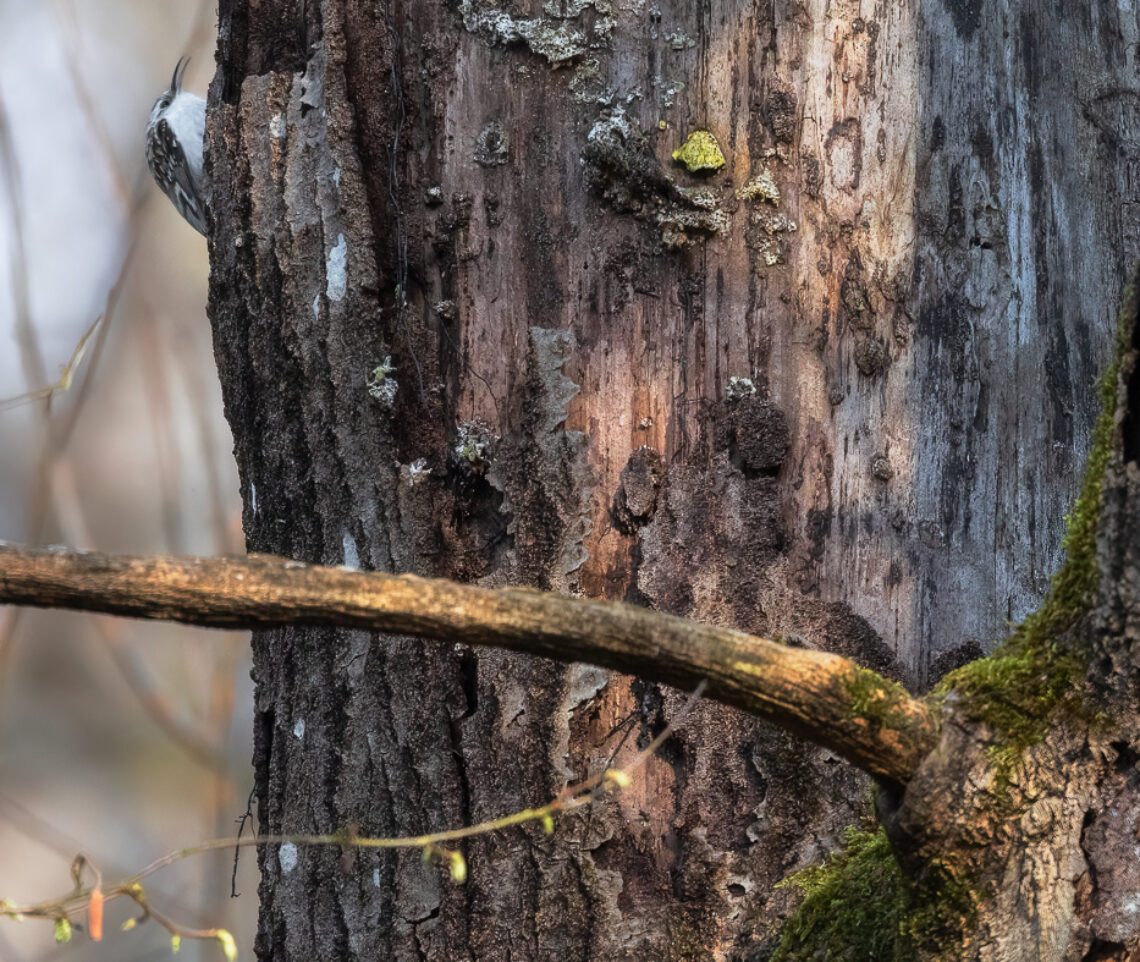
(179, 70)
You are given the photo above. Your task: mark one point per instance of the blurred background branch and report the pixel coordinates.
(120, 746)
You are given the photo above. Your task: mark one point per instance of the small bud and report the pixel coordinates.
(129, 924)
(548, 824)
(62, 930)
(175, 943)
(95, 915)
(229, 947)
(618, 777)
(458, 868)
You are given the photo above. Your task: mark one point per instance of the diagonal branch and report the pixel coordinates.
(871, 722)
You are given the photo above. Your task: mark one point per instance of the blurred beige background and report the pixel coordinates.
(122, 739)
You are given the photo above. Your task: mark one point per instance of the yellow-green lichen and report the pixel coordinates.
(1035, 673)
(700, 151)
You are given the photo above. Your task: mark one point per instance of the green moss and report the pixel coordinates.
(857, 906)
(852, 905)
(1036, 672)
(876, 699)
(938, 912)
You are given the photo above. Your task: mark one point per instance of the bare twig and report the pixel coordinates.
(197, 744)
(871, 722)
(69, 28)
(57, 433)
(66, 375)
(32, 362)
(92, 898)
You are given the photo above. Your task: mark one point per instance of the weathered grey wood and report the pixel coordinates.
(1026, 157)
(1044, 840)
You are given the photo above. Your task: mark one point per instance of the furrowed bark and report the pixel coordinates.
(472, 320)
(828, 699)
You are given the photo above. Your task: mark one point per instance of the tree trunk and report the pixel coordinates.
(1025, 823)
(472, 320)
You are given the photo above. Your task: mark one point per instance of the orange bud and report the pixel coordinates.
(95, 915)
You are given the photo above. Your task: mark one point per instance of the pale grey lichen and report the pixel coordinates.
(588, 86)
(382, 386)
(583, 683)
(287, 857)
(739, 388)
(417, 471)
(703, 198)
(613, 130)
(680, 41)
(764, 236)
(762, 187)
(492, 146)
(471, 452)
(678, 226)
(568, 9)
(669, 90)
(557, 42)
(351, 555)
(336, 270)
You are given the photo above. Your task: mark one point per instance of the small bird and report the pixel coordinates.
(175, 135)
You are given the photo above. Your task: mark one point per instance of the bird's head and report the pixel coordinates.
(166, 98)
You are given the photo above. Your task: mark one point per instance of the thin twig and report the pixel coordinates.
(574, 796)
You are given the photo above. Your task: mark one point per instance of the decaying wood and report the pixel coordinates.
(852, 711)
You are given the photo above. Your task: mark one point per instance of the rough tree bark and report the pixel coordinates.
(1008, 837)
(472, 320)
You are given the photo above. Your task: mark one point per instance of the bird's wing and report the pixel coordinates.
(172, 173)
